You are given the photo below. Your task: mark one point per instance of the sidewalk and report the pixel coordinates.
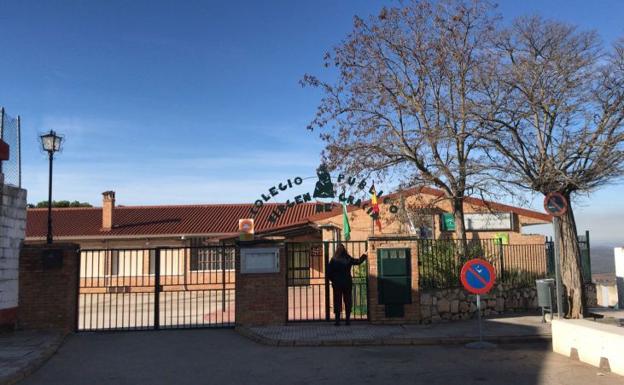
(21, 353)
(611, 316)
(505, 329)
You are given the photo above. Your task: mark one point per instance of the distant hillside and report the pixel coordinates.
(602, 259)
(603, 263)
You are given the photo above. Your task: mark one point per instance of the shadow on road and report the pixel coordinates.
(220, 356)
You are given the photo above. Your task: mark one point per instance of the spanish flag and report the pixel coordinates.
(375, 206)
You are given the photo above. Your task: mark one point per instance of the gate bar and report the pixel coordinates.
(222, 280)
(157, 290)
(327, 283)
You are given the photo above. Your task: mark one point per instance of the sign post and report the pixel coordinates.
(478, 277)
(556, 205)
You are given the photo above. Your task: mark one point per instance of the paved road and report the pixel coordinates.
(223, 357)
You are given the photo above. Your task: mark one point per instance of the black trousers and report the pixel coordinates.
(342, 293)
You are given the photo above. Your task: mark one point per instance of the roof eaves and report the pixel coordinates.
(124, 237)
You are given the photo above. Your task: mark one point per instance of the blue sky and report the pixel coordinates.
(198, 101)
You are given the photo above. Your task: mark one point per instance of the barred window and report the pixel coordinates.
(212, 259)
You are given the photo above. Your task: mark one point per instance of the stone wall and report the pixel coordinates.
(12, 231)
(455, 304)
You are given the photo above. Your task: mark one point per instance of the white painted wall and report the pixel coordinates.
(592, 340)
(606, 295)
(130, 263)
(12, 232)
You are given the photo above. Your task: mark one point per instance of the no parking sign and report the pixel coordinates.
(478, 276)
(555, 204)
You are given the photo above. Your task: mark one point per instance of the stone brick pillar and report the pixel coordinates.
(377, 311)
(12, 231)
(261, 298)
(48, 286)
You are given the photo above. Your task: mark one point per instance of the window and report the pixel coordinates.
(299, 266)
(421, 224)
(152, 262)
(212, 259)
(114, 262)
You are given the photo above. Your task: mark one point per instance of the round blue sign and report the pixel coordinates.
(477, 276)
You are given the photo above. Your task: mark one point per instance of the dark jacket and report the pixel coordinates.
(339, 270)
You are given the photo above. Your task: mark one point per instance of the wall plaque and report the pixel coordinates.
(259, 260)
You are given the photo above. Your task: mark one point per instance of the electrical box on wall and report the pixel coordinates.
(52, 259)
(259, 260)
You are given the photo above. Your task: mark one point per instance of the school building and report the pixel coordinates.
(170, 266)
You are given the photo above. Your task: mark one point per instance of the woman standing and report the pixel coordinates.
(339, 273)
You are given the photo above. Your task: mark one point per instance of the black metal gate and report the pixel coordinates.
(309, 291)
(158, 288)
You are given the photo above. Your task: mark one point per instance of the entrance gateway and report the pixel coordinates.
(309, 290)
(156, 288)
(194, 287)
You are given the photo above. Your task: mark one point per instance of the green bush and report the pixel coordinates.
(440, 262)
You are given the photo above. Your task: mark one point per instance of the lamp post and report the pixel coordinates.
(51, 143)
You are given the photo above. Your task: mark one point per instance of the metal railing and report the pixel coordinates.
(585, 248)
(10, 133)
(440, 261)
(584, 245)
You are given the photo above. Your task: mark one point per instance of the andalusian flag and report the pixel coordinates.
(375, 206)
(346, 228)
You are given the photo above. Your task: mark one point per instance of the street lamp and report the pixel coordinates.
(51, 143)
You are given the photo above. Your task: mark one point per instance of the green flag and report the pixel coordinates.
(346, 228)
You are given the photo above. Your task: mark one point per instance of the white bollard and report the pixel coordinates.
(618, 252)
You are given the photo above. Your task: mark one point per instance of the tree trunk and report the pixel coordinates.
(571, 275)
(460, 229)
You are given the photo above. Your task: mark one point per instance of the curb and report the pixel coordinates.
(392, 341)
(36, 363)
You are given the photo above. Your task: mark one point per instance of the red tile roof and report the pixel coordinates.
(161, 220)
(216, 219)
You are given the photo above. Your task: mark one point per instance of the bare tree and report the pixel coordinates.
(403, 99)
(556, 107)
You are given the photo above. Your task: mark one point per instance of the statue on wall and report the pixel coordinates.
(324, 187)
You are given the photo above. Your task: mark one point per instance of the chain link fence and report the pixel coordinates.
(10, 134)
